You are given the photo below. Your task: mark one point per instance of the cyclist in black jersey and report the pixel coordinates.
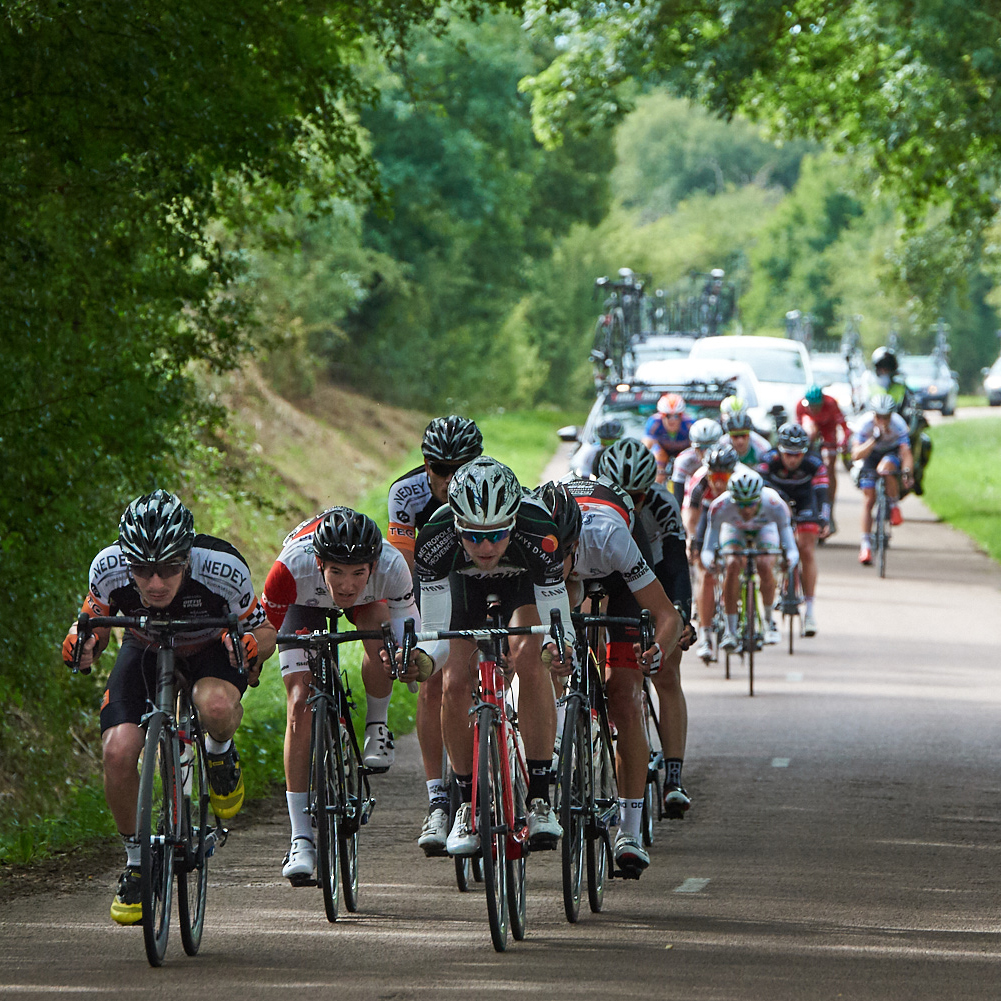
(160, 564)
(492, 540)
(449, 442)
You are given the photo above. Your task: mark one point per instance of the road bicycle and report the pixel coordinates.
(750, 618)
(172, 809)
(468, 868)
(500, 772)
(619, 325)
(586, 790)
(340, 798)
(881, 525)
(790, 603)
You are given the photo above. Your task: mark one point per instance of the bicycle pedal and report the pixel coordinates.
(368, 770)
(298, 881)
(628, 872)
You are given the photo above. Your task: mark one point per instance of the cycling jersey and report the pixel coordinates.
(824, 424)
(686, 466)
(803, 488)
(216, 584)
(772, 511)
(660, 517)
(760, 446)
(897, 434)
(601, 494)
(700, 492)
(672, 444)
(411, 505)
(533, 557)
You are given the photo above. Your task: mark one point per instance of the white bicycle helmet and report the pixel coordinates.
(745, 487)
(630, 464)
(705, 432)
(883, 404)
(484, 493)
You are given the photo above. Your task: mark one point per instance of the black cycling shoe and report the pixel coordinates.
(225, 782)
(127, 908)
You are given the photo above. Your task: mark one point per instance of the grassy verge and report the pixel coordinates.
(963, 482)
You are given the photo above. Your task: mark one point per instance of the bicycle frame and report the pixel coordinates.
(751, 616)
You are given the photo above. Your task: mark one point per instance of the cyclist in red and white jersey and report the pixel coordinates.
(333, 560)
(704, 434)
(160, 564)
(491, 539)
(820, 416)
(448, 443)
(748, 515)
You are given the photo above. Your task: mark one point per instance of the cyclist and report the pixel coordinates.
(709, 482)
(882, 445)
(748, 514)
(448, 443)
(607, 551)
(631, 466)
(801, 479)
(750, 446)
(821, 417)
(666, 432)
(491, 539)
(704, 434)
(585, 459)
(334, 560)
(886, 367)
(160, 564)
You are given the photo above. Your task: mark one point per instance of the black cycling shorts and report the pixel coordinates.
(469, 598)
(621, 602)
(131, 690)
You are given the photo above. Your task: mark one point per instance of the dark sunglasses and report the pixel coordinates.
(445, 468)
(146, 571)
(495, 535)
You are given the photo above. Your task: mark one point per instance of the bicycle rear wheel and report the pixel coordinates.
(157, 836)
(491, 826)
(516, 898)
(572, 802)
(327, 807)
(750, 629)
(882, 529)
(351, 793)
(193, 874)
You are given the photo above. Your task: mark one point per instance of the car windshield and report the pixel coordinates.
(768, 364)
(830, 369)
(921, 367)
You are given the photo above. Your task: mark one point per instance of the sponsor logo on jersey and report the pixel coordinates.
(501, 571)
(403, 517)
(113, 561)
(224, 571)
(550, 543)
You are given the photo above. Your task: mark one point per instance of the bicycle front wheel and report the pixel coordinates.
(157, 835)
(491, 826)
(605, 794)
(572, 802)
(750, 629)
(193, 879)
(351, 795)
(326, 807)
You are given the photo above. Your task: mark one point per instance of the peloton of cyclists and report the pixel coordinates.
(800, 477)
(882, 445)
(606, 551)
(491, 539)
(448, 443)
(821, 418)
(334, 560)
(159, 563)
(666, 432)
(748, 515)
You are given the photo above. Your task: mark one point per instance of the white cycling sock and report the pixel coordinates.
(866, 539)
(214, 746)
(437, 793)
(298, 814)
(133, 853)
(706, 634)
(630, 816)
(809, 605)
(377, 710)
(731, 623)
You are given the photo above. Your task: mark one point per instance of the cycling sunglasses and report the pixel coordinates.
(146, 571)
(445, 468)
(476, 537)
(739, 434)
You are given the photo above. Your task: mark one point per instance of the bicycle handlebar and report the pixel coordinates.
(644, 624)
(318, 639)
(390, 646)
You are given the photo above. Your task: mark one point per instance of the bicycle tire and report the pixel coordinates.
(491, 827)
(597, 856)
(517, 901)
(193, 877)
(881, 519)
(351, 793)
(326, 808)
(750, 628)
(157, 835)
(572, 802)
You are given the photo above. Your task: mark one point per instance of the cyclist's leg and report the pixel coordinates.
(806, 541)
(673, 729)
(378, 752)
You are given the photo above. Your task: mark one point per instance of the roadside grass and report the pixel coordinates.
(963, 482)
(971, 400)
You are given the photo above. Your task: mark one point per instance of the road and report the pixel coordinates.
(844, 843)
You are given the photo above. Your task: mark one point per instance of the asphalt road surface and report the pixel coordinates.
(844, 842)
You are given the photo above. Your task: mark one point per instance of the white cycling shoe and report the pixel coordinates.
(299, 862)
(434, 833)
(704, 649)
(544, 829)
(630, 855)
(462, 840)
(809, 625)
(772, 634)
(378, 753)
(729, 641)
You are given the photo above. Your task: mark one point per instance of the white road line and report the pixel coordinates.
(692, 885)
(781, 762)
(794, 676)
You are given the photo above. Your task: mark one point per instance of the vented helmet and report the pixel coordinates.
(671, 405)
(722, 458)
(347, 536)
(705, 432)
(745, 487)
(738, 420)
(630, 464)
(484, 493)
(565, 511)
(814, 396)
(452, 439)
(156, 528)
(883, 404)
(793, 439)
(608, 430)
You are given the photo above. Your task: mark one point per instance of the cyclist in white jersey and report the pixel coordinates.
(704, 434)
(449, 443)
(334, 560)
(749, 515)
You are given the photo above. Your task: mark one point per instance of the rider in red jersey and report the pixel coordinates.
(821, 418)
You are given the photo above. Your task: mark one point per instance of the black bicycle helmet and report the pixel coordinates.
(609, 429)
(886, 359)
(722, 458)
(793, 439)
(347, 536)
(565, 511)
(452, 439)
(155, 528)
(737, 420)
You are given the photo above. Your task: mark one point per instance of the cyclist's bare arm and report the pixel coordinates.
(667, 624)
